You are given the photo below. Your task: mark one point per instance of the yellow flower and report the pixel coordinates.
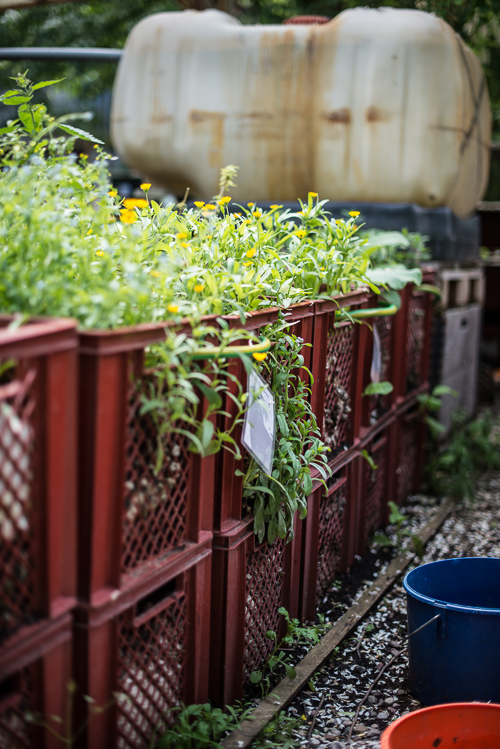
(199, 287)
(257, 213)
(247, 264)
(113, 193)
(301, 233)
(274, 206)
(89, 232)
(99, 253)
(250, 205)
(247, 221)
(251, 252)
(237, 214)
(128, 216)
(260, 356)
(173, 308)
(354, 213)
(135, 203)
(182, 235)
(322, 268)
(199, 203)
(313, 194)
(301, 213)
(145, 186)
(224, 200)
(185, 245)
(155, 273)
(210, 207)
(83, 156)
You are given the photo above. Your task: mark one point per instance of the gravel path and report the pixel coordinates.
(339, 686)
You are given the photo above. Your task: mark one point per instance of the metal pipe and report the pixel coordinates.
(95, 54)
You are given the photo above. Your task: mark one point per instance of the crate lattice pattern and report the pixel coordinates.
(379, 404)
(16, 697)
(330, 538)
(264, 585)
(408, 454)
(17, 445)
(375, 489)
(339, 366)
(155, 503)
(415, 341)
(151, 672)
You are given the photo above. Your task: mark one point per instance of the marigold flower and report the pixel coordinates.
(135, 203)
(199, 203)
(300, 233)
(354, 213)
(274, 206)
(145, 186)
(89, 231)
(155, 273)
(99, 253)
(209, 207)
(260, 356)
(199, 287)
(113, 193)
(247, 264)
(313, 194)
(257, 213)
(237, 214)
(128, 216)
(251, 252)
(224, 200)
(173, 308)
(182, 235)
(250, 205)
(185, 245)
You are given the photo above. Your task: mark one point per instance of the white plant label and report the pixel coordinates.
(376, 367)
(259, 426)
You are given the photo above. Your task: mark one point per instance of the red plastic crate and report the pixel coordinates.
(337, 367)
(406, 436)
(229, 507)
(151, 647)
(37, 473)
(377, 407)
(328, 533)
(250, 583)
(36, 683)
(131, 519)
(372, 489)
(412, 339)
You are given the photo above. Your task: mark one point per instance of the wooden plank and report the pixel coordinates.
(287, 689)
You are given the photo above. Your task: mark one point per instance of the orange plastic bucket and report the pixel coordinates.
(459, 725)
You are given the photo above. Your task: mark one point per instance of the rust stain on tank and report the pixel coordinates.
(255, 116)
(374, 114)
(200, 115)
(342, 116)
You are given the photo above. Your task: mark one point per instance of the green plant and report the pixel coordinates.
(68, 735)
(397, 519)
(431, 402)
(298, 448)
(279, 658)
(198, 727)
(471, 449)
(280, 732)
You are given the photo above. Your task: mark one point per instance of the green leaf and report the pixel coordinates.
(379, 388)
(77, 132)
(441, 390)
(256, 677)
(394, 276)
(43, 84)
(382, 540)
(14, 98)
(211, 395)
(290, 671)
(419, 546)
(366, 455)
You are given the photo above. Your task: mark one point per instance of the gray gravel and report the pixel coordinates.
(472, 530)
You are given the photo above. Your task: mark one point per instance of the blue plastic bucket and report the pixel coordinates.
(456, 657)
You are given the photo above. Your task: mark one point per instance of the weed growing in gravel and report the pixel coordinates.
(279, 732)
(397, 519)
(279, 659)
(199, 726)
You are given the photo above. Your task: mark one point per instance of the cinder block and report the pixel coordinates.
(464, 381)
(461, 335)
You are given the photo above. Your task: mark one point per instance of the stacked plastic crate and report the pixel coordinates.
(37, 527)
(144, 550)
(251, 580)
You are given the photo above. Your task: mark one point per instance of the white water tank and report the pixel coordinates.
(377, 105)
